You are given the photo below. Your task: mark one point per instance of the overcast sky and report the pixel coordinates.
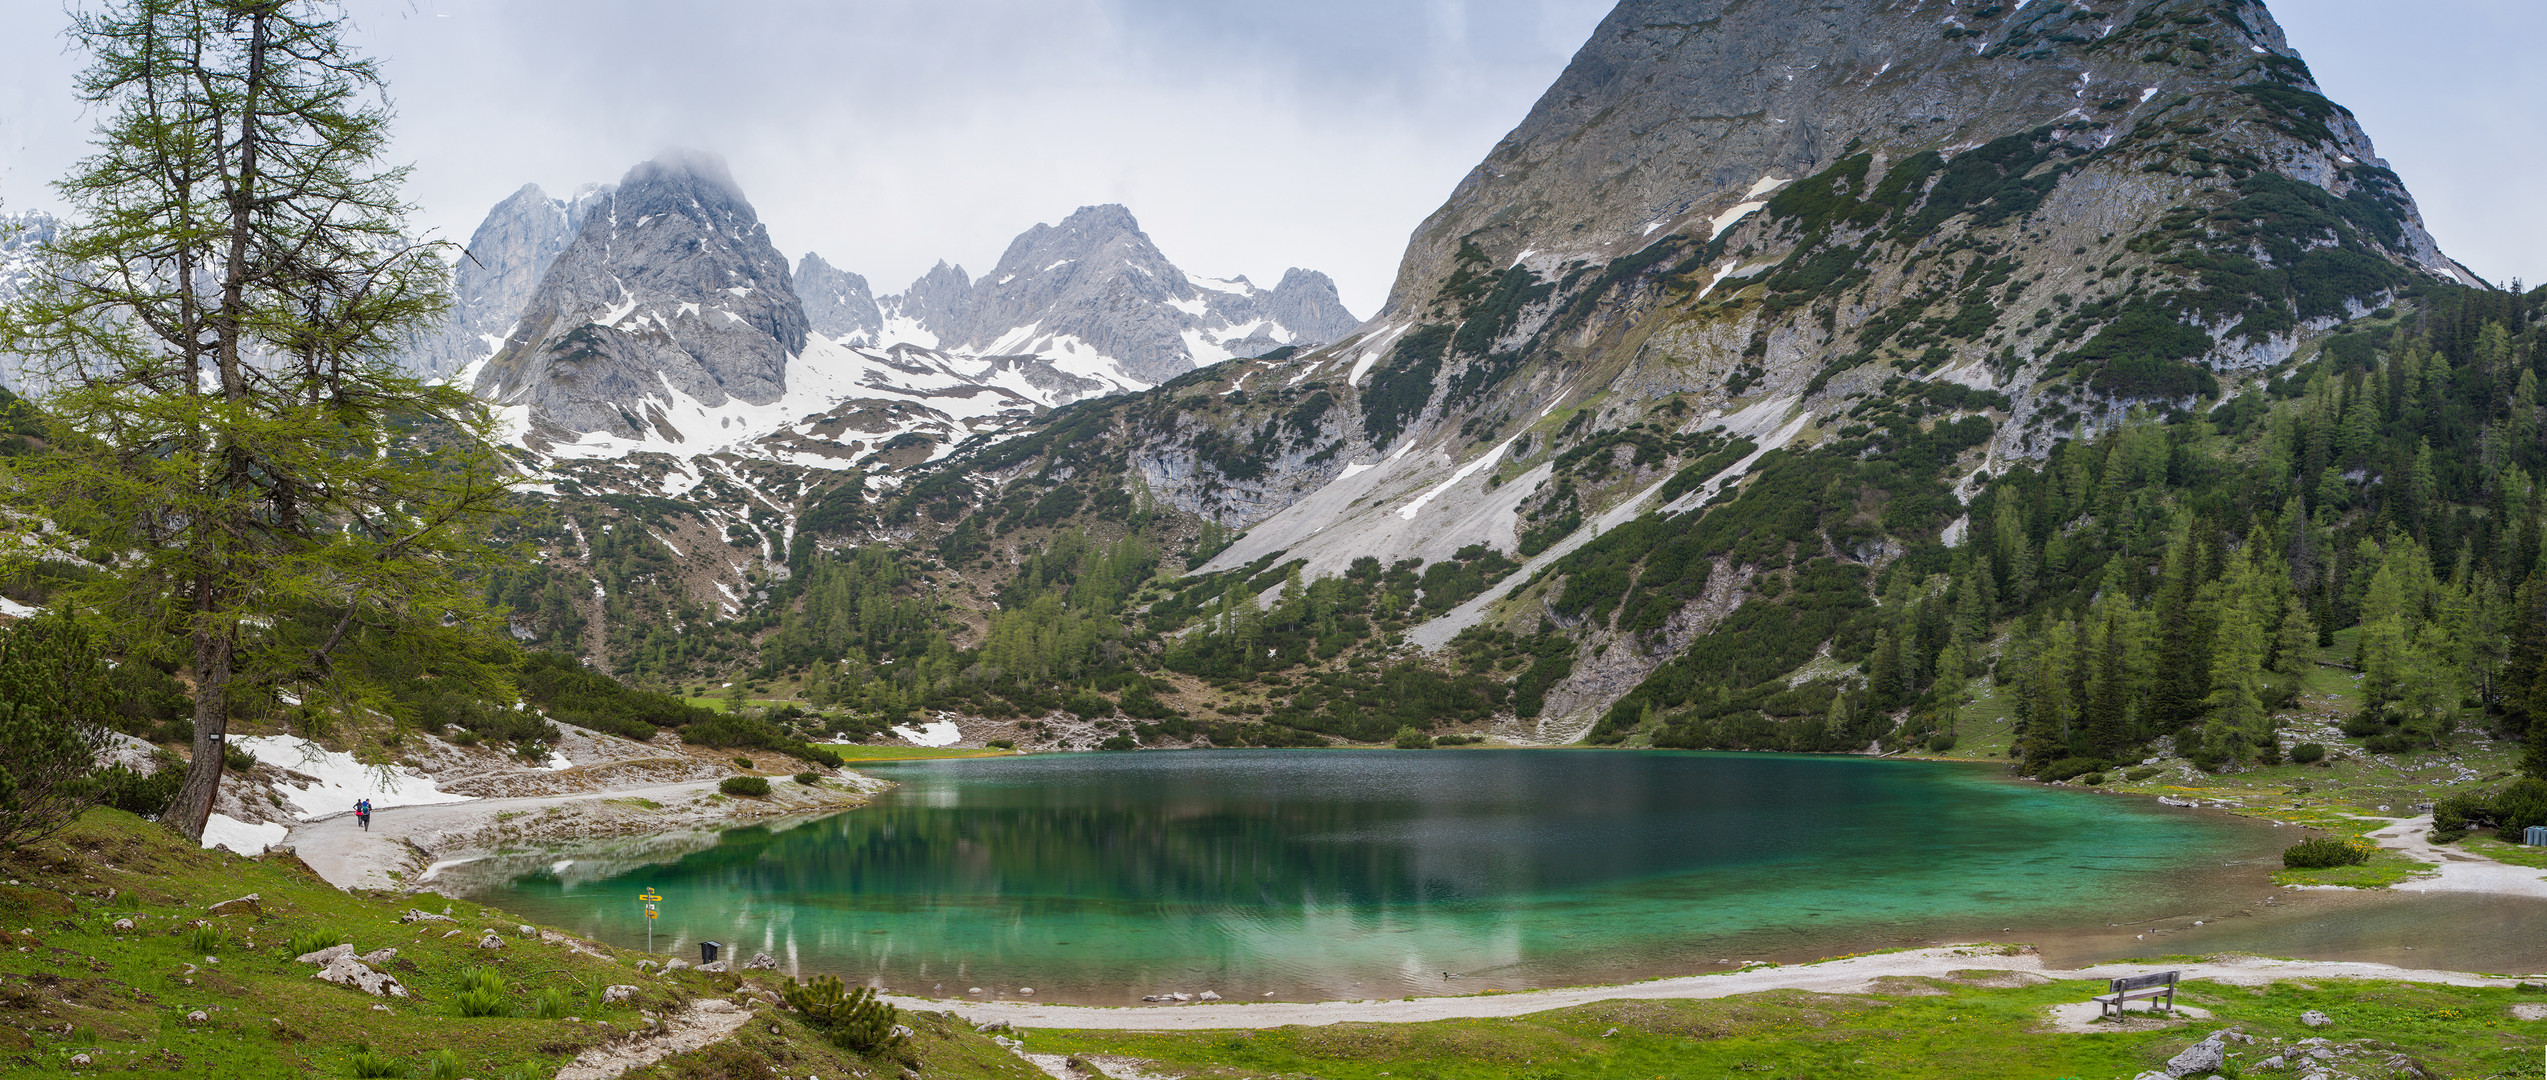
(1247, 135)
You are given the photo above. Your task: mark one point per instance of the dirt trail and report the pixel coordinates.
(706, 1021)
(1845, 976)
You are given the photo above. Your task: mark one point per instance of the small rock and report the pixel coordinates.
(646, 965)
(348, 971)
(490, 940)
(380, 957)
(675, 965)
(900, 1031)
(761, 961)
(2202, 1057)
(527, 931)
(2315, 1019)
(2272, 1064)
(245, 905)
(1149, 997)
(326, 956)
(612, 995)
(715, 1005)
(974, 990)
(988, 1026)
(377, 1007)
(123, 924)
(1207, 996)
(79, 1061)
(713, 965)
(1025, 990)
(197, 1017)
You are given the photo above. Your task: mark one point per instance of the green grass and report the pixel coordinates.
(1933, 1028)
(2504, 851)
(75, 984)
(2384, 868)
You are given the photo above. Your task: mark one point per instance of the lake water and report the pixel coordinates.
(1321, 874)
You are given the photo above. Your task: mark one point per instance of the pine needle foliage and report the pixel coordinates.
(852, 1018)
(272, 500)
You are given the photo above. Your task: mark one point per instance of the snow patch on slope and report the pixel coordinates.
(337, 780)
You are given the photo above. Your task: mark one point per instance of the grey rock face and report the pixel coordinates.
(671, 285)
(837, 302)
(1675, 108)
(1306, 302)
(22, 236)
(938, 304)
(1097, 278)
(496, 273)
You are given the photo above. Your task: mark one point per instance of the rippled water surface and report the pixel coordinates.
(1102, 877)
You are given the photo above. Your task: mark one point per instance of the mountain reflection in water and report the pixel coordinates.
(1366, 873)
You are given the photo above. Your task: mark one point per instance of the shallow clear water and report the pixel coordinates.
(1102, 877)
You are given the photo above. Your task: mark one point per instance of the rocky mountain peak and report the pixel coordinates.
(1682, 111)
(494, 277)
(1094, 288)
(838, 304)
(669, 289)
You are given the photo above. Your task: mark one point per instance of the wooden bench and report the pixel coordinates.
(2153, 987)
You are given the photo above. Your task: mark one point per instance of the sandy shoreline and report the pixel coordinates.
(1849, 975)
(407, 846)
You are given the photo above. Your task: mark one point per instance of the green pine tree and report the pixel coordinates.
(218, 325)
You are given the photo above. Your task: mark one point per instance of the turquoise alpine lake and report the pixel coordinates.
(1102, 878)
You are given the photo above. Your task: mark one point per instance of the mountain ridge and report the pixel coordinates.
(1777, 436)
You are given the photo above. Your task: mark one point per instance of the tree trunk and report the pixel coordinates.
(192, 807)
(215, 644)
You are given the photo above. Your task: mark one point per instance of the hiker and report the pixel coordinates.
(362, 814)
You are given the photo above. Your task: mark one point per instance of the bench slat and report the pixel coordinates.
(2135, 982)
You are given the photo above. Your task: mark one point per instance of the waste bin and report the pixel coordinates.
(2535, 836)
(707, 951)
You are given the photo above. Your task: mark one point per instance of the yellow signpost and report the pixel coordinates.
(650, 899)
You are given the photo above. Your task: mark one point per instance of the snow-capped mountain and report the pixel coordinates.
(668, 297)
(655, 314)
(1098, 297)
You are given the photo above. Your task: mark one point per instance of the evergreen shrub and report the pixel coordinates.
(2325, 852)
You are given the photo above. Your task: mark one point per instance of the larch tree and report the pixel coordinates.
(271, 502)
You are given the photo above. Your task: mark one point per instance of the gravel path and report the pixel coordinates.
(1844, 976)
(2460, 871)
